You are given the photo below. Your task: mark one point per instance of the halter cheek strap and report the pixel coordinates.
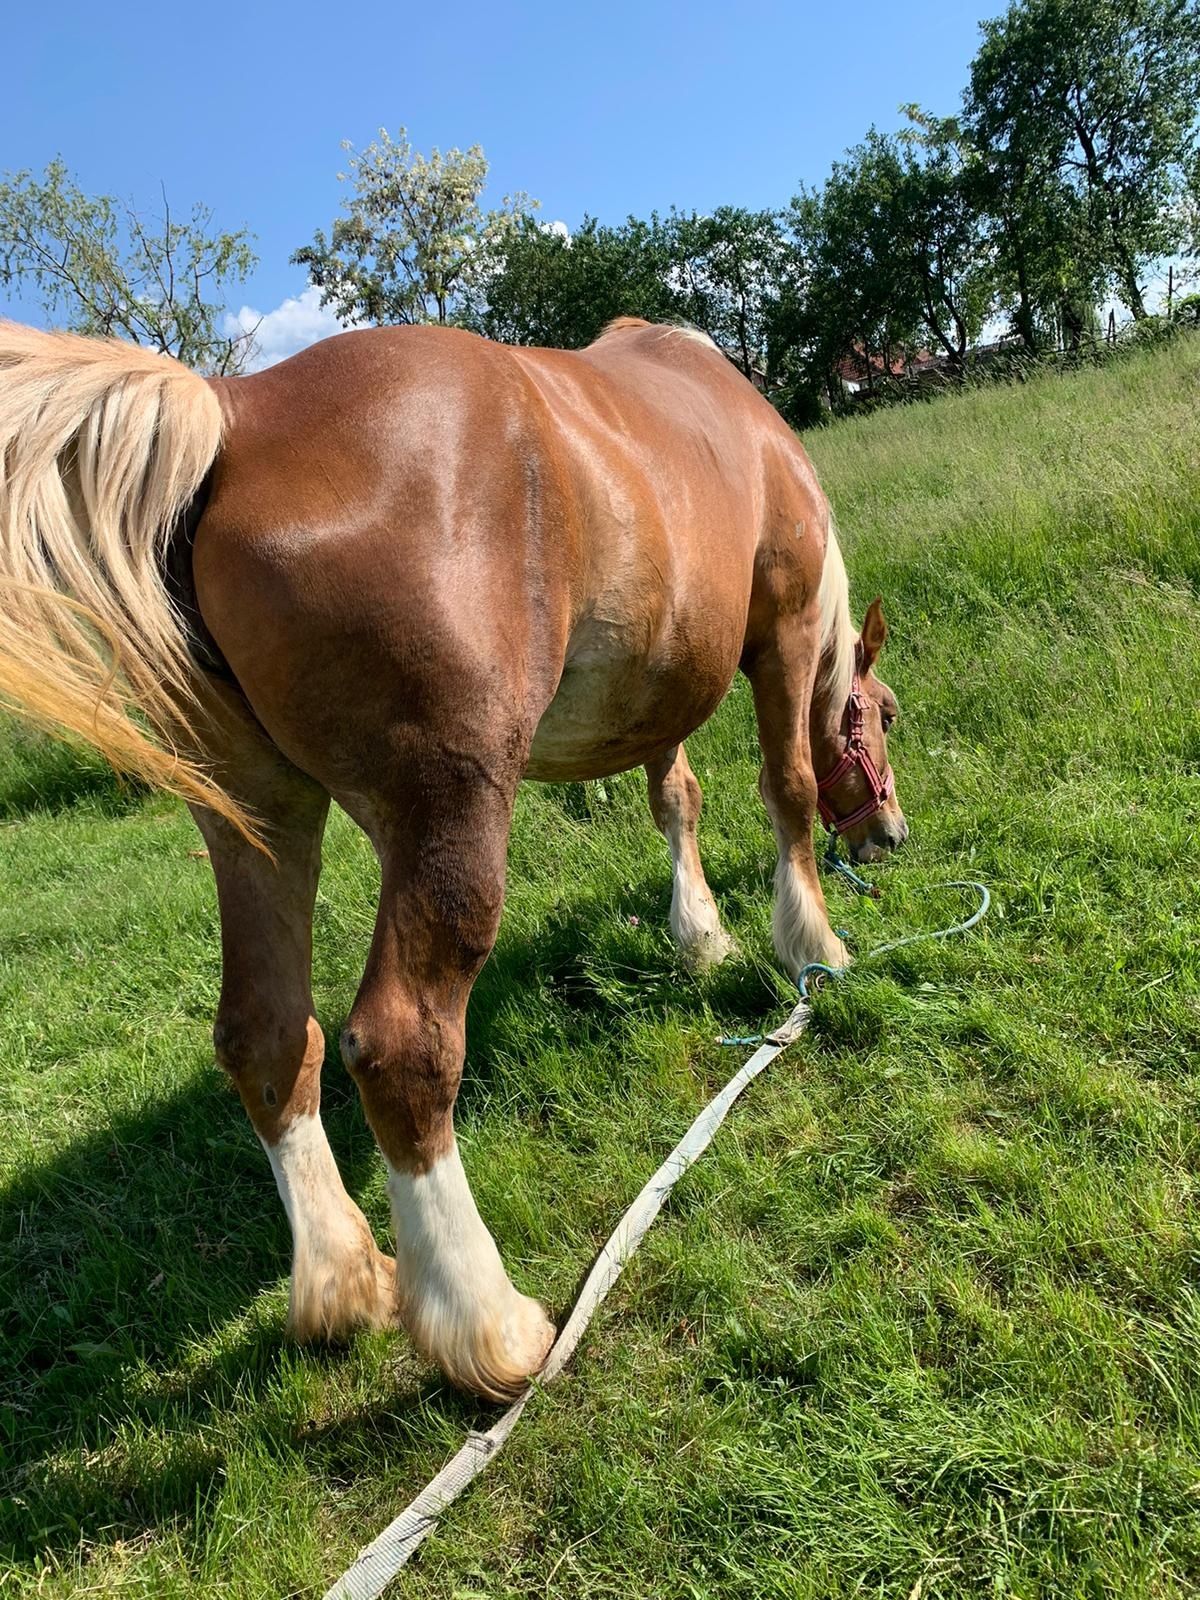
(881, 786)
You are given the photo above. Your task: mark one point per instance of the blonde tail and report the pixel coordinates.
(103, 445)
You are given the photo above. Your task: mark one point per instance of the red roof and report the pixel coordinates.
(853, 368)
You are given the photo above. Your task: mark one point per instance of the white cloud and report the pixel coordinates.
(300, 321)
(560, 228)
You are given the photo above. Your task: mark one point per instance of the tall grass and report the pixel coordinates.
(925, 1322)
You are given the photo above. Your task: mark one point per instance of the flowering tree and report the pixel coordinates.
(415, 244)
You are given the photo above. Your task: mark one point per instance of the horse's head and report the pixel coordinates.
(856, 788)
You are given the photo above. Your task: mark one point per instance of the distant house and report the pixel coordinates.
(756, 374)
(859, 370)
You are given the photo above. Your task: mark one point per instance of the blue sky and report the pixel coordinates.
(610, 109)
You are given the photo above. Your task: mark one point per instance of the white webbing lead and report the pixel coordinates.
(376, 1565)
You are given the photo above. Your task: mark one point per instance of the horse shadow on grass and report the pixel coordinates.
(127, 1252)
(42, 776)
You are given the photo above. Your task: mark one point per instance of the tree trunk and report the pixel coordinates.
(747, 364)
(1023, 317)
(953, 355)
(1131, 289)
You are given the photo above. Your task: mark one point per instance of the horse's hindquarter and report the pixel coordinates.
(665, 490)
(382, 560)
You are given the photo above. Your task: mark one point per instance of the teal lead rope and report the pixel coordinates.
(815, 971)
(832, 862)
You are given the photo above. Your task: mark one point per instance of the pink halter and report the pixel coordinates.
(881, 785)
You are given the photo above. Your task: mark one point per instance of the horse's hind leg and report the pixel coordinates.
(269, 1042)
(441, 833)
(675, 802)
(781, 663)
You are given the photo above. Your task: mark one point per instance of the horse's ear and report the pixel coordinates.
(873, 637)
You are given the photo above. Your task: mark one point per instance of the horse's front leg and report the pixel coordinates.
(269, 1042)
(781, 664)
(442, 839)
(675, 802)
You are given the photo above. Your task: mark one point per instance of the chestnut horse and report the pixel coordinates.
(406, 569)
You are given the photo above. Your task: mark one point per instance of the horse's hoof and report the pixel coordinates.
(333, 1303)
(498, 1362)
(710, 950)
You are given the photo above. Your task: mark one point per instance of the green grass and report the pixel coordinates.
(926, 1320)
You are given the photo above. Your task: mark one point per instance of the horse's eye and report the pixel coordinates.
(888, 718)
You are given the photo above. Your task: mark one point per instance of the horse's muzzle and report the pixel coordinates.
(887, 832)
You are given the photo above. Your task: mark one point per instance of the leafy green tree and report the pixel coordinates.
(728, 271)
(1048, 267)
(852, 300)
(888, 256)
(415, 244)
(1189, 266)
(104, 267)
(939, 233)
(894, 255)
(560, 290)
(547, 287)
(1095, 100)
(720, 272)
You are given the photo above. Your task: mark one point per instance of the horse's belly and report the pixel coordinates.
(615, 708)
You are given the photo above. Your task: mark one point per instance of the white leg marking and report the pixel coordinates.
(800, 926)
(455, 1297)
(340, 1280)
(695, 920)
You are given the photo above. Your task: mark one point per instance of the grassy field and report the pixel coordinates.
(926, 1321)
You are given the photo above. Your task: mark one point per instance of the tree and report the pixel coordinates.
(548, 287)
(1048, 268)
(939, 233)
(888, 256)
(825, 329)
(722, 273)
(108, 268)
(415, 244)
(1189, 208)
(1095, 100)
(854, 299)
(728, 271)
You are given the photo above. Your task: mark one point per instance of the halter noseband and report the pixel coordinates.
(881, 786)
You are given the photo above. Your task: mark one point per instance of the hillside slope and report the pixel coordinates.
(925, 1322)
